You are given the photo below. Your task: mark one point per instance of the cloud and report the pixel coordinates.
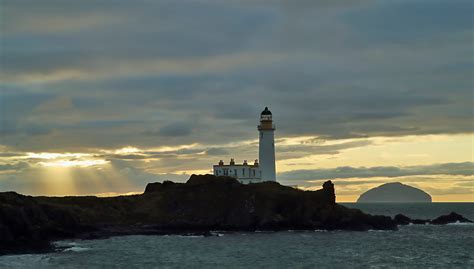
(217, 151)
(321, 149)
(310, 62)
(414, 17)
(459, 169)
(56, 105)
(175, 129)
(13, 167)
(84, 76)
(117, 176)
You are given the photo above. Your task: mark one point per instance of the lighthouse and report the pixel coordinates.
(267, 146)
(260, 170)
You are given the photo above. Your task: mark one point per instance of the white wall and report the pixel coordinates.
(267, 155)
(240, 172)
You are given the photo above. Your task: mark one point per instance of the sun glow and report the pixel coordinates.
(51, 156)
(74, 163)
(128, 150)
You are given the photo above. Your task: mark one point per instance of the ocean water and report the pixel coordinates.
(413, 246)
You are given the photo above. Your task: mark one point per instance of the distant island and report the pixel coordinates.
(394, 192)
(203, 204)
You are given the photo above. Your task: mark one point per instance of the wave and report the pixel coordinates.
(448, 224)
(190, 236)
(65, 244)
(217, 233)
(76, 249)
(461, 223)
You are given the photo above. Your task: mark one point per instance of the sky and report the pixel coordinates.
(102, 97)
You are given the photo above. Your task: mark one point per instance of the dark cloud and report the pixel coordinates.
(82, 75)
(451, 179)
(217, 151)
(459, 169)
(450, 191)
(322, 149)
(15, 167)
(175, 129)
(421, 21)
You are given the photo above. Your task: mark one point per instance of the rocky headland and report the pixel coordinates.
(203, 204)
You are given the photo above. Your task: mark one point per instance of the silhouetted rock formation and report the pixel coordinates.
(202, 204)
(395, 192)
(404, 220)
(26, 225)
(453, 217)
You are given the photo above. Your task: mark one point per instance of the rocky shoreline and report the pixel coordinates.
(203, 204)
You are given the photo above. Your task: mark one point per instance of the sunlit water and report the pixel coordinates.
(414, 246)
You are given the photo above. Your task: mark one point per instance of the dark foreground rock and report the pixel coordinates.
(202, 204)
(453, 217)
(404, 220)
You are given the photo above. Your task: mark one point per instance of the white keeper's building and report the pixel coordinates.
(258, 171)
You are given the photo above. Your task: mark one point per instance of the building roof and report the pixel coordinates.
(234, 165)
(266, 112)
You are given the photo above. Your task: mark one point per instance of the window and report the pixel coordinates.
(243, 172)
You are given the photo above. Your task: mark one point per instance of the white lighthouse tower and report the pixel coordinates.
(267, 146)
(258, 171)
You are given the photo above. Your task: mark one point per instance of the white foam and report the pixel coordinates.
(191, 236)
(65, 244)
(76, 249)
(461, 223)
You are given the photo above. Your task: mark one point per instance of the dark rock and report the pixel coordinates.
(328, 188)
(453, 217)
(153, 187)
(404, 220)
(401, 219)
(206, 180)
(420, 221)
(445, 219)
(157, 186)
(202, 204)
(28, 226)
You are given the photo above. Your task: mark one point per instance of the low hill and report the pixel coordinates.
(395, 192)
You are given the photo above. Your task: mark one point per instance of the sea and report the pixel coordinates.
(412, 246)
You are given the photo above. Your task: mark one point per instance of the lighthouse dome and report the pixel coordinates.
(266, 112)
